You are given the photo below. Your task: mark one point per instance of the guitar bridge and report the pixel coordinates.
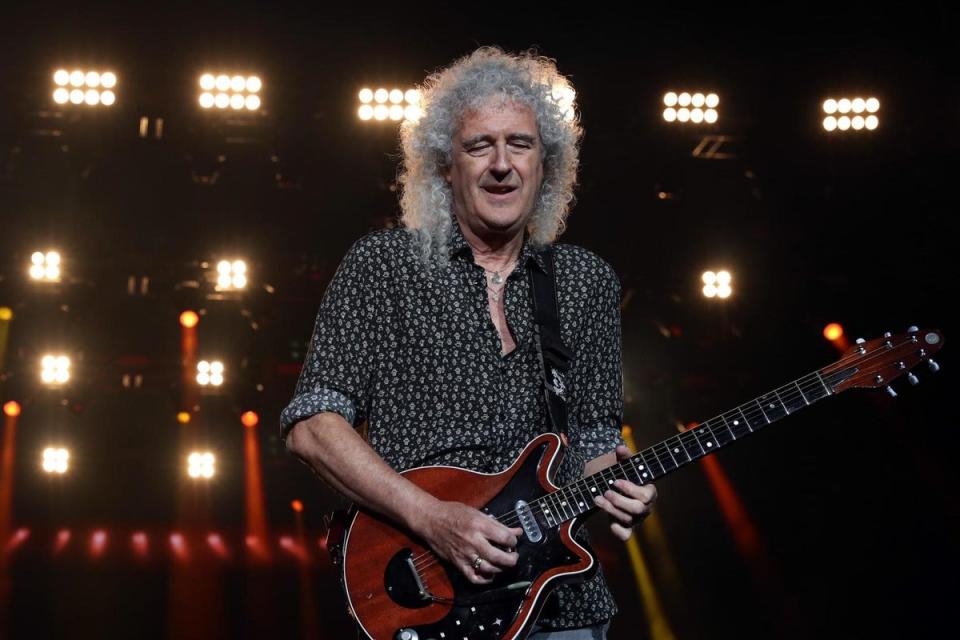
(527, 522)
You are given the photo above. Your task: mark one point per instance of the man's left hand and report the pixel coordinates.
(629, 505)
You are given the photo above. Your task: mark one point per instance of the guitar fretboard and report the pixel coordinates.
(650, 464)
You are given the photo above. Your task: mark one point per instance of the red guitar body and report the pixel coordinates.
(394, 593)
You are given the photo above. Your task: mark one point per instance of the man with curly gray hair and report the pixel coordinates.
(426, 333)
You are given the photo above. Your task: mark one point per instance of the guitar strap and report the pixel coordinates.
(555, 357)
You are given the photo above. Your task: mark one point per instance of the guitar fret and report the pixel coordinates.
(825, 387)
(577, 496)
(678, 449)
(562, 506)
(727, 425)
(645, 469)
(757, 401)
(670, 453)
(547, 514)
(653, 470)
(780, 400)
(747, 422)
(571, 500)
(692, 444)
(577, 499)
(721, 436)
(609, 481)
(802, 395)
(597, 486)
(698, 433)
(555, 507)
(703, 451)
(586, 503)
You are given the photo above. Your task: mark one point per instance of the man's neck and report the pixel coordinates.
(493, 252)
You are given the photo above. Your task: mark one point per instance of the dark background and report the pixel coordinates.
(854, 501)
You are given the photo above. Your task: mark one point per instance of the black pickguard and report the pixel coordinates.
(478, 608)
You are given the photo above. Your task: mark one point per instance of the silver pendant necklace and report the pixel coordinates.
(497, 279)
(495, 276)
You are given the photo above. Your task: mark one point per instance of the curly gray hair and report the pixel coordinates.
(465, 85)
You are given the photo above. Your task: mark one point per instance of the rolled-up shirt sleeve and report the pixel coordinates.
(343, 351)
(599, 375)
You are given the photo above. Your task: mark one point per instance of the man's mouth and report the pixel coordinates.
(499, 190)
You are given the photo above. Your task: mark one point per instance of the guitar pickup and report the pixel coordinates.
(527, 521)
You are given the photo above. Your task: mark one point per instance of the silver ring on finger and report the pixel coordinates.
(477, 562)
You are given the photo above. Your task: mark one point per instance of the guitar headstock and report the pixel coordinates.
(877, 363)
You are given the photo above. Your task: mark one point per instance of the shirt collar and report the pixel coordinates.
(459, 247)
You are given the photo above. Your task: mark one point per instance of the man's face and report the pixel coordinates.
(497, 168)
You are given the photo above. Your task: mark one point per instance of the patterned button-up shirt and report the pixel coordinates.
(412, 350)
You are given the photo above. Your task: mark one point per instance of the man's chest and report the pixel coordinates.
(453, 312)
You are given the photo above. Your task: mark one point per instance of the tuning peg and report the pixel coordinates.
(887, 334)
(893, 394)
(914, 380)
(933, 365)
(860, 340)
(913, 329)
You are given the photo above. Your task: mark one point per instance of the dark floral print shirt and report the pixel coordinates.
(412, 350)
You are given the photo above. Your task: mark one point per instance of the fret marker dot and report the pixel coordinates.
(580, 503)
(709, 444)
(563, 504)
(770, 406)
(641, 467)
(644, 474)
(593, 489)
(609, 481)
(676, 450)
(736, 422)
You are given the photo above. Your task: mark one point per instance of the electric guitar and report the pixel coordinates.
(397, 589)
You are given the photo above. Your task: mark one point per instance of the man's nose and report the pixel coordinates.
(500, 167)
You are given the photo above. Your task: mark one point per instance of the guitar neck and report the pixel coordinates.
(668, 455)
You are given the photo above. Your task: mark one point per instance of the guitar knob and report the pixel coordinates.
(893, 394)
(933, 365)
(914, 380)
(407, 634)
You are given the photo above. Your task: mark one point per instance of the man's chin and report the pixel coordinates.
(504, 222)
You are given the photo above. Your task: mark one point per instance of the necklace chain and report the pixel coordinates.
(497, 279)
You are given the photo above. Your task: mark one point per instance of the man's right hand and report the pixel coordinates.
(460, 534)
